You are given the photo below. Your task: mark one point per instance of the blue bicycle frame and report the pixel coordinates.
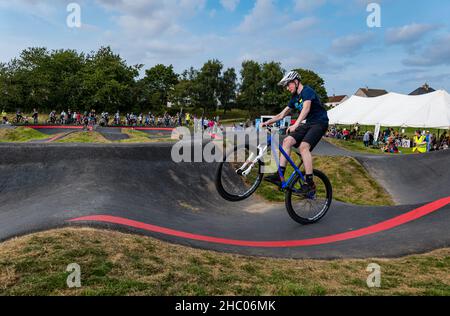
(284, 184)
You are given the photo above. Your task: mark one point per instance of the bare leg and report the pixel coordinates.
(288, 143)
(305, 151)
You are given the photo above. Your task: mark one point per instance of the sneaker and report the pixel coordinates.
(308, 189)
(274, 178)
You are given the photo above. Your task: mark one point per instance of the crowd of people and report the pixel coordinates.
(104, 119)
(70, 117)
(391, 141)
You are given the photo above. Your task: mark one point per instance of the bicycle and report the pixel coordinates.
(237, 182)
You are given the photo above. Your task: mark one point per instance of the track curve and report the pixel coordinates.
(137, 187)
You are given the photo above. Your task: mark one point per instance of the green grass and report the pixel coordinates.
(142, 137)
(351, 182)
(114, 263)
(20, 135)
(358, 146)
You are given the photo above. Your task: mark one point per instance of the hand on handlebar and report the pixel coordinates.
(291, 129)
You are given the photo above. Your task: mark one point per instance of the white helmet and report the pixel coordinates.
(291, 76)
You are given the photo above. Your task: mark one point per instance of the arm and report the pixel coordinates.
(277, 118)
(303, 115)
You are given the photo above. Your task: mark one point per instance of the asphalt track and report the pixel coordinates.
(138, 189)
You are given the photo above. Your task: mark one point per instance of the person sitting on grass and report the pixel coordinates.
(391, 147)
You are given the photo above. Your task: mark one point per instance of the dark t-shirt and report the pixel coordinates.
(317, 114)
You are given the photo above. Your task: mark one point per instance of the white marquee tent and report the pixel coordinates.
(395, 110)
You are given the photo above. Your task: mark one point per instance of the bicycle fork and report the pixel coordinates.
(251, 162)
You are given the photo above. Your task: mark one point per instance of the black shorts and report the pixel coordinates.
(311, 134)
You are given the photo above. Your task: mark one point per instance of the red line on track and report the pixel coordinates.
(54, 138)
(54, 127)
(377, 228)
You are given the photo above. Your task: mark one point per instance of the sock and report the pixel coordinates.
(309, 178)
(283, 170)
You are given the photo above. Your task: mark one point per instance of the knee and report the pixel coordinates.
(304, 148)
(288, 142)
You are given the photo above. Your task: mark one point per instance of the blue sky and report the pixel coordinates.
(331, 37)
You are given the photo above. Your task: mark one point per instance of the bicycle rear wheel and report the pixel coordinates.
(231, 183)
(309, 209)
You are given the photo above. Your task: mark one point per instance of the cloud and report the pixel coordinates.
(351, 44)
(434, 80)
(261, 16)
(301, 25)
(403, 73)
(308, 5)
(230, 5)
(152, 18)
(436, 53)
(409, 34)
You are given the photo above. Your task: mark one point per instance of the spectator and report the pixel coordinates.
(345, 134)
(428, 140)
(386, 135)
(52, 117)
(63, 117)
(78, 118)
(188, 119)
(391, 147)
(35, 117)
(420, 143)
(366, 139)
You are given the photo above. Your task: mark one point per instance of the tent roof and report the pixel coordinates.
(425, 111)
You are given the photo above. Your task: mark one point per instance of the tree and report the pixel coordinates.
(108, 82)
(313, 80)
(63, 69)
(207, 84)
(273, 95)
(30, 80)
(227, 89)
(157, 83)
(251, 87)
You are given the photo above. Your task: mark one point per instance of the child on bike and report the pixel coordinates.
(303, 136)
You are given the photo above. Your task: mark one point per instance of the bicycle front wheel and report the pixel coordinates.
(311, 208)
(236, 179)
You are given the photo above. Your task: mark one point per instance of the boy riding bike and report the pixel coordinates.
(303, 136)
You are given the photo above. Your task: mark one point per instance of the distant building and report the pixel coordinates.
(425, 89)
(370, 93)
(335, 100)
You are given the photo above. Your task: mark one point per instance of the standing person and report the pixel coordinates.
(428, 140)
(303, 136)
(386, 135)
(78, 118)
(366, 139)
(85, 121)
(62, 117)
(188, 119)
(35, 117)
(420, 143)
